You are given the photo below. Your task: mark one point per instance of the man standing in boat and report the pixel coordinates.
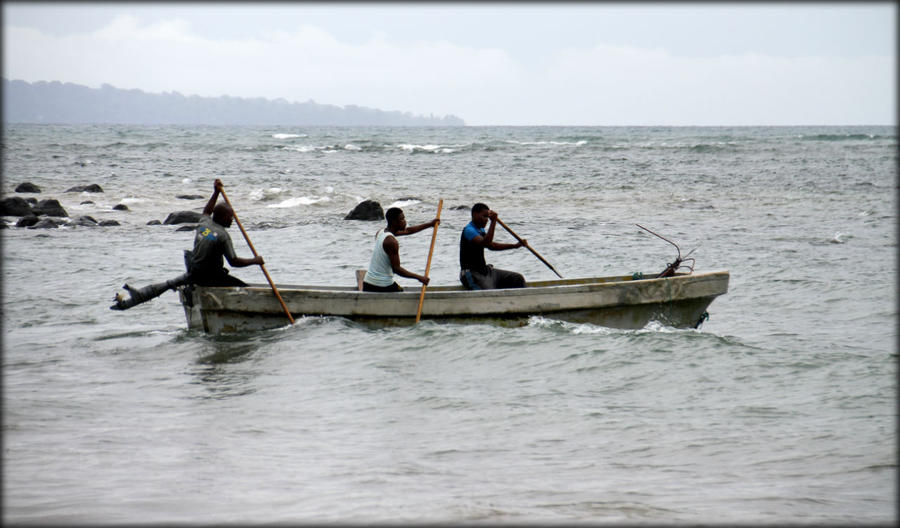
(385, 261)
(474, 273)
(205, 262)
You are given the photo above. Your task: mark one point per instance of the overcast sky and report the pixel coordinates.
(490, 64)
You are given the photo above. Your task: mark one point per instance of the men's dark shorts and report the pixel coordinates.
(491, 280)
(215, 279)
(382, 289)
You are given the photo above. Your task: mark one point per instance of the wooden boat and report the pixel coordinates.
(627, 302)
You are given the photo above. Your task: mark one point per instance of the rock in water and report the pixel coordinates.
(85, 220)
(183, 217)
(15, 206)
(28, 187)
(46, 223)
(366, 210)
(27, 221)
(49, 207)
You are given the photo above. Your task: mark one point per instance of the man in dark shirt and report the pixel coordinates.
(212, 243)
(474, 273)
(205, 263)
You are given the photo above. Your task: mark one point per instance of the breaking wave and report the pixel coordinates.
(300, 200)
(288, 136)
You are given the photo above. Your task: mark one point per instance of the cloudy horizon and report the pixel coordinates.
(508, 64)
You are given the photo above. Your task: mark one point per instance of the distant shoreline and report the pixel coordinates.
(69, 104)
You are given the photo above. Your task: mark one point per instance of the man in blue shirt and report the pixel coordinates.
(474, 273)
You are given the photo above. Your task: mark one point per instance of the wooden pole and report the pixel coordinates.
(266, 273)
(428, 264)
(513, 233)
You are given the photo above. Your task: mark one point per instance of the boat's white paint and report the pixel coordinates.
(618, 301)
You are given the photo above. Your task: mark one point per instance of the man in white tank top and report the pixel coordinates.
(385, 260)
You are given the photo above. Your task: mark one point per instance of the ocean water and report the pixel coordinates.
(781, 408)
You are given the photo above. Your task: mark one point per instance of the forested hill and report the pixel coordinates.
(67, 103)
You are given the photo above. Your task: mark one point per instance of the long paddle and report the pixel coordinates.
(428, 264)
(513, 233)
(247, 238)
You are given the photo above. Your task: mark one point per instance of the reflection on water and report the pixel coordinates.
(224, 368)
(227, 353)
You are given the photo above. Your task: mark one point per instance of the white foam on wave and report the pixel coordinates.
(263, 195)
(302, 148)
(653, 327)
(410, 147)
(402, 203)
(132, 200)
(186, 181)
(288, 136)
(575, 328)
(301, 200)
(556, 143)
(327, 149)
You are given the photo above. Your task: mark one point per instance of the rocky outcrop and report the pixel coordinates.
(15, 206)
(154, 222)
(27, 221)
(106, 223)
(50, 207)
(87, 221)
(190, 196)
(28, 187)
(182, 217)
(120, 207)
(47, 223)
(186, 228)
(366, 210)
(92, 188)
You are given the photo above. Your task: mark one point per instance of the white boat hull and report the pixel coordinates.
(617, 302)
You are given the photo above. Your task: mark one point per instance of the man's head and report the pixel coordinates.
(395, 218)
(222, 215)
(480, 214)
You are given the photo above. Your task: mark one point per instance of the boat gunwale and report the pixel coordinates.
(555, 286)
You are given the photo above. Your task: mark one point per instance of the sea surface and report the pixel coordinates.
(781, 408)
